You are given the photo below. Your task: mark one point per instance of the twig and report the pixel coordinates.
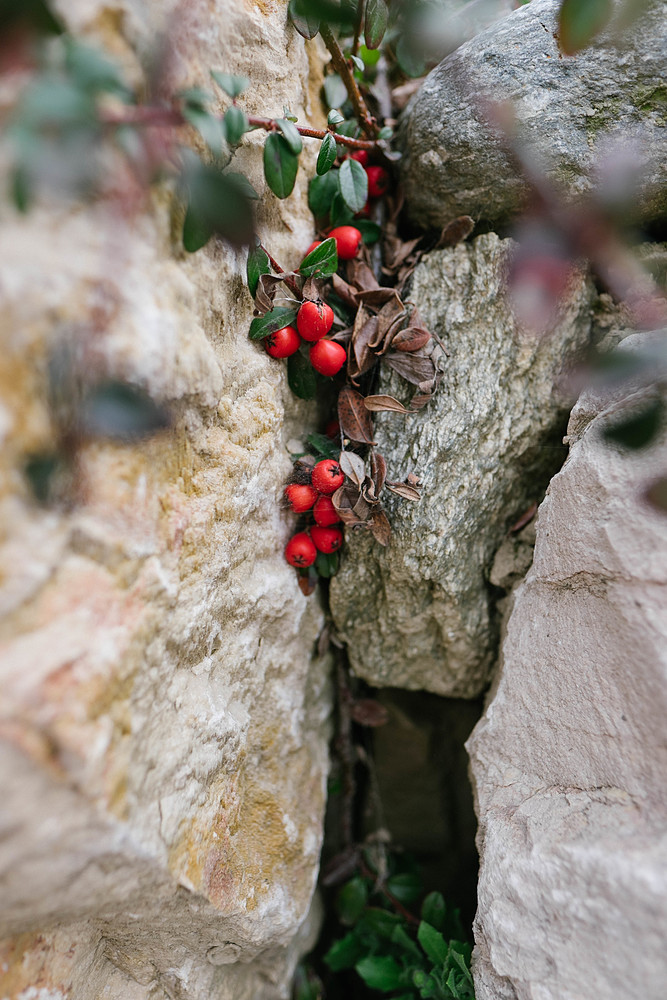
(398, 906)
(314, 133)
(342, 67)
(357, 28)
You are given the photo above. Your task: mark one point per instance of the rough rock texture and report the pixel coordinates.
(568, 109)
(163, 729)
(417, 614)
(569, 760)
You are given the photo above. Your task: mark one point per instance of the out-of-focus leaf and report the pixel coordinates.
(370, 231)
(235, 124)
(322, 261)
(208, 126)
(326, 564)
(218, 204)
(278, 318)
(335, 93)
(579, 21)
(34, 14)
(321, 193)
(434, 910)
(291, 134)
(258, 263)
(51, 101)
(380, 972)
(232, 85)
(42, 470)
(301, 376)
(353, 181)
(327, 154)
(409, 58)
(406, 886)
(20, 188)
(656, 494)
(305, 22)
(280, 165)
(638, 429)
(344, 954)
(369, 712)
(375, 24)
(120, 411)
(92, 71)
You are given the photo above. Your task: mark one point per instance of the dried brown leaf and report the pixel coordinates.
(308, 583)
(380, 403)
(420, 400)
(266, 291)
(340, 867)
(380, 527)
(362, 508)
(313, 289)
(361, 337)
(404, 490)
(361, 276)
(413, 338)
(415, 368)
(525, 519)
(456, 230)
(344, 499)
(353, 466)
(354, 419)
(377, 297)
(369, 712)
(344, 291)
(378, 471)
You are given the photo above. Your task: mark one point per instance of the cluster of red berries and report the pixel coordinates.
(302, 548)
(378, 178)
(315, 319)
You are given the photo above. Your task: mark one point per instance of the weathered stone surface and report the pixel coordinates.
(417, 614)
(163, 729)
(569, 760)
(567, 108)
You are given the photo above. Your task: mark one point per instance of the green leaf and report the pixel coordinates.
(327, 154)
(345, 954)
(462, 961)
(208, 126)
(433, 943)
(375, 24)
(406, 887)
(291, 134)
(334, 117)
(321, 192)
(351, 898)
(20, 188)
(434, 910)
(217, 204)
(326, 564)
(306, 23)
(386, 132)
(353, 181)
(380, 973)
(638, 429)
(401, 938)
(121, 411)
(235, 124)
(358, 63)
(321, 262)
(380, 922)
(258, 264)
(323, 446)
(232, 85)
(242, 183)
(335, 92)
(274, 320)
(579, 21)
(340, 214)
(195, 97)
(289, 115)
(280, 165)
(93, 71)
(51, 101)
(411, 62)
(370, 231)
(301, 376)
(41, 470)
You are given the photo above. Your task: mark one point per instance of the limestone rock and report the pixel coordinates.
(163, 727)
(568, 109)
(417, 614)
(569, 760)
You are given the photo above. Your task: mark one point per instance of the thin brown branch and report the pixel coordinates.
(342, 67)
(389, 896)
(314, 133)
(289, 281)
(357, 28)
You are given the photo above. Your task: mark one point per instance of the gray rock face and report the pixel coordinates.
(567, 108)
(416, 614)
(569, 760)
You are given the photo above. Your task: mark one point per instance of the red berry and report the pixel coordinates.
(378, 181)
(300, 497)
(327, 539)
(327, 476)
(332, 429)
(327, 357)
(314, 320)
(310, 249)
(282, 343)
(365, 212)
(348, 241)
(324, 512)
(300, 550)
(361, 156)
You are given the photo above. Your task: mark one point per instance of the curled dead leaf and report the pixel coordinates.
(411, 339)
(369, 712)
(380, 403)
(404, 490)
(380, 527)
(378, 471)
(354, 419)
(456, 230)
(353, 466)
